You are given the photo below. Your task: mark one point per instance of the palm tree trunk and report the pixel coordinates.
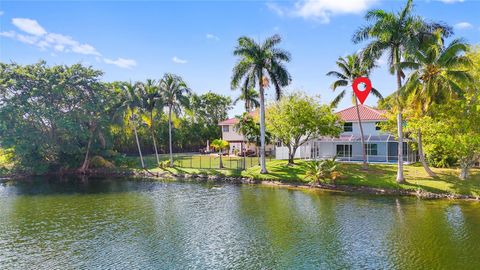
(153, 137)
(138, 142)
(422, 156)
(263, 166)
(364, 154)
(170, 134)
(400, 177)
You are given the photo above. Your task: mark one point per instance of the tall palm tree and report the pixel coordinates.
(151, 101)
(130, 102)
(261, 63)
(350, 68)
(250, 97)
(176, 95)
(395, 34)
(437, 72)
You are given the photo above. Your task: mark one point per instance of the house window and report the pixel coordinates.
(371, 149)
(348, 127)
(279, 143)
(344, 150)
(377, 126)
(225, 128)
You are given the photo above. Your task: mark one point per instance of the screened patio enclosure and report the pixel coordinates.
(379, 148)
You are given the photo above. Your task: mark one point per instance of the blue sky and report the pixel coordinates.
(132, 40)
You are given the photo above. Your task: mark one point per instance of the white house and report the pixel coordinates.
(380, 146)
(236, 140)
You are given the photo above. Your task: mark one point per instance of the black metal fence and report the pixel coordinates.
(213, 161)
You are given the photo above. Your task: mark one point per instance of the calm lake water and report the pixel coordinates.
(122, 224)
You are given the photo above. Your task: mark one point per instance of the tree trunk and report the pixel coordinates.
(220, 156)
(400, 177)
(153, 137)
(170, 134)
(364, 153)
(464, 169)
(138, 142)
(85, 161)
(291, 155)
(263, 165)
(422, 156)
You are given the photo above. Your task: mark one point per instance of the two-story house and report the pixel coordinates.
(236, 140)
(379, 146)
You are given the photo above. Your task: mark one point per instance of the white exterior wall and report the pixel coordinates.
(303, 152)
(232, 134)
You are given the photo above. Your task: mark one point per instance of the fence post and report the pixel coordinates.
(191, 160)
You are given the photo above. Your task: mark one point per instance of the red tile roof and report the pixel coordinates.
(234, 120)
(366, 113)
(348, 115)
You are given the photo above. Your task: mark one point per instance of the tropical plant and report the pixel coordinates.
(321, 170)
(396, 34)
(261, 64)
(351, 67)
(297, 118)
(250, 129)
(438, 72)
(250, 97)
(220, 145)
(152, 102)
(129, 107)
(175, 94)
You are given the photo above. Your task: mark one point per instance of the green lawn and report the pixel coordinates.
(378, 175)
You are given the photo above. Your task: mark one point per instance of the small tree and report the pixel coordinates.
(219, 144)
(298, 118)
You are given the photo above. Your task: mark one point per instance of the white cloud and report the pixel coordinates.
(322, 10)
(451, 1)
(85, 49)
(121, 62)
(1, 13)
(9, 34)
(29, 26)
(463, 25)
(212, 36)
(275, 8)
(178, 60)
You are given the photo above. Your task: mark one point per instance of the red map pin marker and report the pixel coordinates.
(362, 95)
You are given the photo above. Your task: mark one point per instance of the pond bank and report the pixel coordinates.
(299, 185)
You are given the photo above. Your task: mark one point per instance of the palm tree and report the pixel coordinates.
(151, 100)
(437, 72)
(261, 63)
(250, 97)
(396, 34)
(219, 145)
(130, 102)
(175, 94)
(350, 68)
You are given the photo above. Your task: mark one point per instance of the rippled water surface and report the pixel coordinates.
(122, 224)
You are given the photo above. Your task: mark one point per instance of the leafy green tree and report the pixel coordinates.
(298, 118)
(438, 72)
(175, 94)
(396, 34)
(219, 145)
(350, 68)
(261, 64)
(47, 113)
(456, 127)
(129, 107)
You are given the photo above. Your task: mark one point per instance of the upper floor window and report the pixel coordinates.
(225, 128)
(348, 127)
(377, 126)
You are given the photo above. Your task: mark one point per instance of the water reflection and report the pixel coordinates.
(113, 223)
